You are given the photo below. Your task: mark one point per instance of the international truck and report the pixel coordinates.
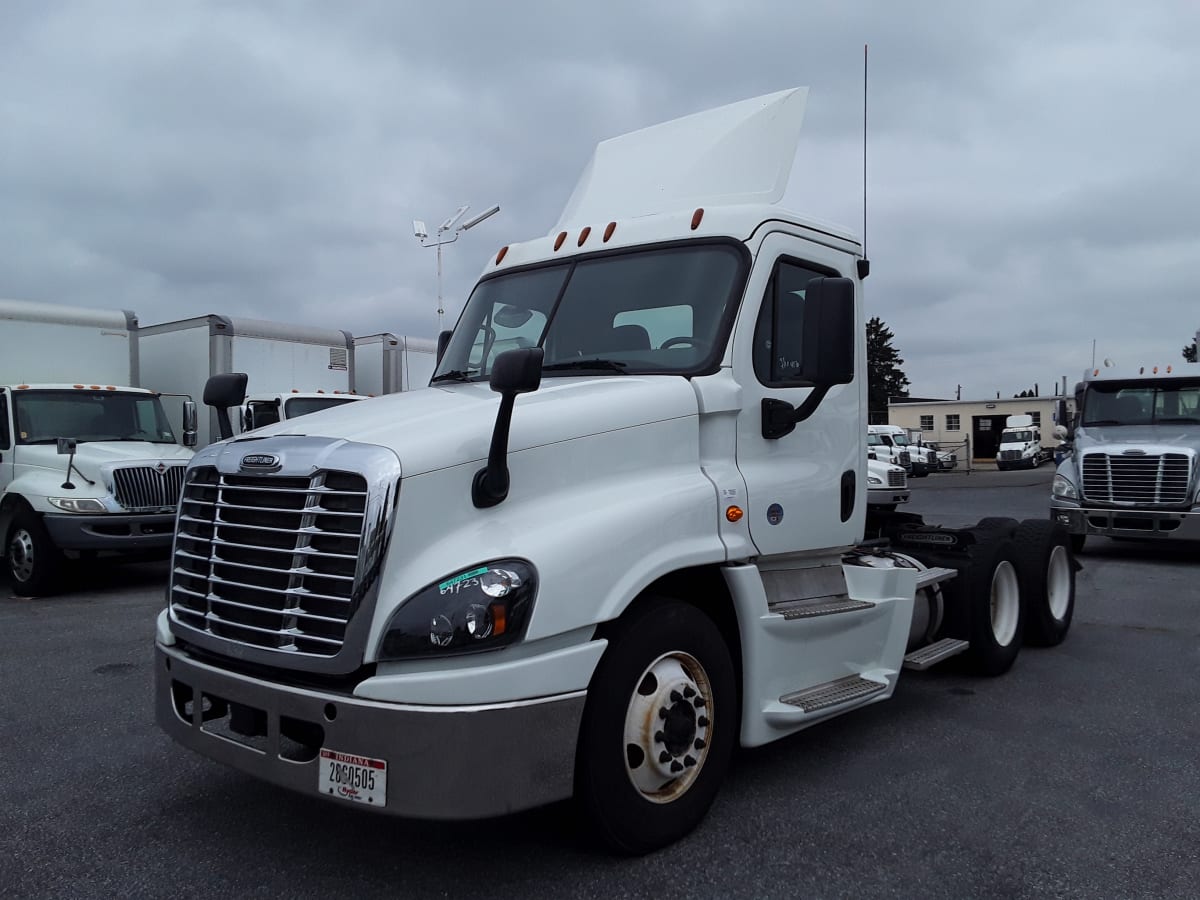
(88, 461)
(1131, 470)
(595, 563)
(278, 357)
(387, 363)
(1021, 445)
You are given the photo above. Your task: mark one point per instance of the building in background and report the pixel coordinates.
(954, 422)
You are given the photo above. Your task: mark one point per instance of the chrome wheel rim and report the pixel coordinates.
(1058, 582)
(668, 724)
(1005, 603)
(20, 555)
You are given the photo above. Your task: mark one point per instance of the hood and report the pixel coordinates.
(438, 427)
(90, 456)
(1177, 437)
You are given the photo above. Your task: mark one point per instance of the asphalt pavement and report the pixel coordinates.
(1075, 775)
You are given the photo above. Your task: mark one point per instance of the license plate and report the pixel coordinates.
(359, 779)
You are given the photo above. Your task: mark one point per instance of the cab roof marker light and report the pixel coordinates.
(1168, 370)
(608, 232)
(78, 387)
(109, 387)
(583, 235)
(696, 217)
(95, 387)
(22, 387)
(500, 256)
(558, 241)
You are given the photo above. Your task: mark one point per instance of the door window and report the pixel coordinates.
(779, 332)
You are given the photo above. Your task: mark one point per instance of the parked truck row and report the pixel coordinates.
(98, 417)
(627, 530)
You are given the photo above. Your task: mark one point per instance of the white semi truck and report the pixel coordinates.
(1021, 445)
(387, 363)
(1132, 470)
(278, 357)
(88, 461)
(595, 563)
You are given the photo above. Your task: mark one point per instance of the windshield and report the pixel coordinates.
(900, 439)
(1141, 403)
(45, 416)
(664, 310)
(874, 440)
(1016, 437)
(302, 406)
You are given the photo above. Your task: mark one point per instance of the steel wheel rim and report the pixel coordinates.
(1005, 603)
(1058, 582)
(668, 724)
(20, 554)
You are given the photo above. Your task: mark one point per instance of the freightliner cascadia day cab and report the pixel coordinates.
(1135, 440)
(594, 563)
(88, 461)
(277, 357)
(1021, 445)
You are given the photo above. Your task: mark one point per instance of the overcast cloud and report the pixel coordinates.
(1032, 165)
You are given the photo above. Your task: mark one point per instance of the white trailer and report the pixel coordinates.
(387, 363)
(88, 461)
(179, 357)
(595, 563)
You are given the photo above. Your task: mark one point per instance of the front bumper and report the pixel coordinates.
(121, 534)
(886, 496)
(1127, 523)
(444, 762)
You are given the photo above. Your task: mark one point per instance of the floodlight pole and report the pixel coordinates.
(440, 239)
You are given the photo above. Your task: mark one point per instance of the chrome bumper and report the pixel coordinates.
(1127, 523)
(444, 762)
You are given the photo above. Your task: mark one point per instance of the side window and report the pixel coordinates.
(778, 333)
(4, 437)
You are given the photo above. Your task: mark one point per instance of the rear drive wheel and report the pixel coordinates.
(34, 563)
(995, 600)
(658, 728)
(1002, 523)
(1047, 574)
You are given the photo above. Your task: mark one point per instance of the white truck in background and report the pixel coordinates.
(268, 409)
(89, 463)
(595, 564)
(1133, 466)
(387, 363)
(277, 357)
(1021, 445)
(887, 485)
(889, 443)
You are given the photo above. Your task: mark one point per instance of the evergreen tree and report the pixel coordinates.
(885, 378)
(1189, 352)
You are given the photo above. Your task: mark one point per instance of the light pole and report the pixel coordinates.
(440, 238)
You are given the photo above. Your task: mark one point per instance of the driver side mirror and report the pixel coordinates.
(222, 392)
(828, 339)
(189, 423)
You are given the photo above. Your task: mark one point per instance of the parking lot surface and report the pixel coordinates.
(1075, 775)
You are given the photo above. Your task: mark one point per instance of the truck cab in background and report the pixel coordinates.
(1021, 445)
(1132, 468)
(86, 467)
(269, 409)
(890, 443)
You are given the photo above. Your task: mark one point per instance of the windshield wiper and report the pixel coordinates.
(1102, 422)
(1190, 420)
(604, 365)
(455, 375)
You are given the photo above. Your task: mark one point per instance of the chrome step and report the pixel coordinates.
(819, 606)
(934, 575)
(932, 654)
(833, 693)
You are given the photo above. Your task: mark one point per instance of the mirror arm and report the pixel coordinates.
(490, 486)
(779, 417)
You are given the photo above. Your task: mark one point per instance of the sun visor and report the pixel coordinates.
(740, 153)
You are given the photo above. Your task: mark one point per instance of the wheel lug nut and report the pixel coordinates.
(702, 721)
(662, 712)
(689, 761)
(699, 744)
(659, 736)
(676, 696)
(676, 766)
(698, 703)
(688, 692)
(664, 757)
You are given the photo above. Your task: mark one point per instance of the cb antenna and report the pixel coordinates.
(864, 264)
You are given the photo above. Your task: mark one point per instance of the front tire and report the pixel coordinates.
(658, 729)
(34, 563)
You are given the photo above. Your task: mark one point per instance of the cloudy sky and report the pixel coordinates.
(1032, 166)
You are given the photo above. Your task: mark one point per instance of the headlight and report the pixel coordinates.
(1062, 487)
(871, 479)
(77, 504)
(481, 608)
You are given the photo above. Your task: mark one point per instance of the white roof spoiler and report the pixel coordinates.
(740, 153)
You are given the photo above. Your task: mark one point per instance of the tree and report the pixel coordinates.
(1189, 352)
(885, 378)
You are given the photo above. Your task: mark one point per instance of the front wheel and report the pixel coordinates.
(34, 563)
(658, 729)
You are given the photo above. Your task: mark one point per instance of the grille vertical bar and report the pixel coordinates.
(270, 561)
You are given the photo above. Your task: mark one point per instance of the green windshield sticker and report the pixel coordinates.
(474, 573)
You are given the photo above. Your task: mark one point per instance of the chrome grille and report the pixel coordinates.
(896, 479)
(1010, 454)
(1113, 478)
(903, 459)
(141, 488)
(269, 560)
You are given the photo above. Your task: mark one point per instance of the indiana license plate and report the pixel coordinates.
(359, 779)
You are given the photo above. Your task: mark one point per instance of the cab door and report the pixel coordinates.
(7, 446)
(806, 488)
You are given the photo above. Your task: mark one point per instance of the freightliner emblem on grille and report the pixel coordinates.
(259, 461)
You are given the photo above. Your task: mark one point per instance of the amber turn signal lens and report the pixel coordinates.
(734, 513)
